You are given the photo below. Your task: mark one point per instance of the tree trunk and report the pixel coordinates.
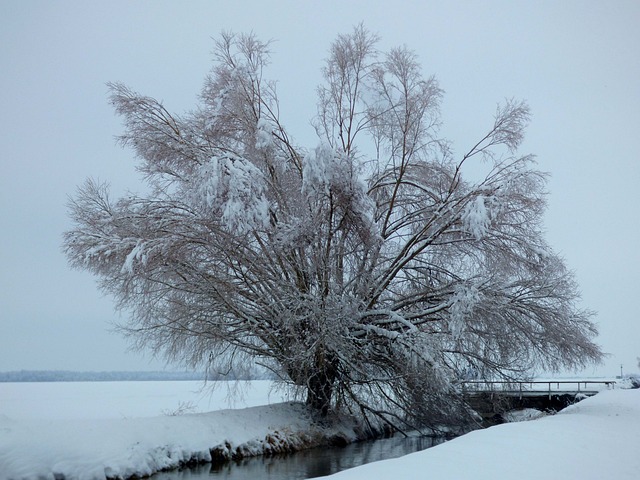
(320, 382)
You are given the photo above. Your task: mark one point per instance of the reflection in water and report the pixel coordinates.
(310, 463)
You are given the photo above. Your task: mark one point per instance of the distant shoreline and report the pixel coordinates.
(104, 376)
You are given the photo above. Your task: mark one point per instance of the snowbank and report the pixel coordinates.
(121, 448)
(91, 430)
(598, 438)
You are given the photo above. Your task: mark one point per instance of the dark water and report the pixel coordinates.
(310, 463)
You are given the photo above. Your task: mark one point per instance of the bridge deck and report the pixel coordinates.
(536, 387)
(492, 399)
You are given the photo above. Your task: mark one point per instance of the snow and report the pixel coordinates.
(522, 415)
(130, 399)
(42, 438)
(597, 438)
(92, 429)
(135, 254)
(233, 185)
(264, 135)
(93, 449)
(476, 218)
(316, 169)
(464, 300)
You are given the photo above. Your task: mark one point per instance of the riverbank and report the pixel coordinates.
(137, 447)
(94, 430)
(595, 439)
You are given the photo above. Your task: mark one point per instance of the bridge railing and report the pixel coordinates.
(535, 386)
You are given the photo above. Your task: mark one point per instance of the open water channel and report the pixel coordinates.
(311, 463)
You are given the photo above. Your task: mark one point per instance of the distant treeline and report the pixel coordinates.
(71, 376)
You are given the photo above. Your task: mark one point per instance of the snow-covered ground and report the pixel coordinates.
(89, 430)
(79, 400)
(118, 429)
(598, 438)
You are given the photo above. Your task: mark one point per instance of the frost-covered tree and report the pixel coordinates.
(366, 272)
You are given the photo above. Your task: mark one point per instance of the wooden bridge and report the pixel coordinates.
(491, 399)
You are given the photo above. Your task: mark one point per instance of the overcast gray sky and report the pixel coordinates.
(577, 64)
